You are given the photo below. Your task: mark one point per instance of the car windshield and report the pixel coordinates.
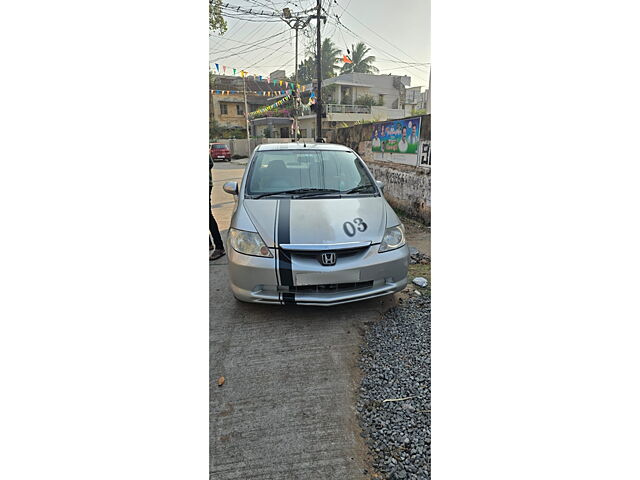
(298, 171)
(219, 147)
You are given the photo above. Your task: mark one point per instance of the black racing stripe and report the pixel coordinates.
(289, 298)
(286, 273)
(275, 242)
(284, 236)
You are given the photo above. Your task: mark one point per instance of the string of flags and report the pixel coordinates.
(242, 73)
(264, 93)
(270, 107)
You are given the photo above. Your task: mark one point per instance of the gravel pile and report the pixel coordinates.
(396, 363)
(418, 257)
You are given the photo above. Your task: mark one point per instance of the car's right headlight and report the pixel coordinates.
(393, 238)
(248, 243)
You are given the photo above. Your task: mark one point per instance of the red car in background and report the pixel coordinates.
(219, 151)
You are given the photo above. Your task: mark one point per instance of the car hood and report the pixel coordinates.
(318, 221)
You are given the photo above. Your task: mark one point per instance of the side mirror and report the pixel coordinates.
(380, 185)
(231, 187)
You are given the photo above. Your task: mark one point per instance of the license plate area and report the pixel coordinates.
(323, 278)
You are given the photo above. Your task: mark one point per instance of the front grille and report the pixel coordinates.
(317, 254)
(331, 288)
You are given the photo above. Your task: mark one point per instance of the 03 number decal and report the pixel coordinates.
(351, 227)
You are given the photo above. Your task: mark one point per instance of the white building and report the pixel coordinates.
(344, 92)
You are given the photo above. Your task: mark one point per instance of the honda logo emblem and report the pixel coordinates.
(328, 259)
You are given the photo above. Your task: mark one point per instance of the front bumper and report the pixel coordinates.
(369, 275)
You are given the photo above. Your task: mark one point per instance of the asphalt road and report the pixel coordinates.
(287, 407)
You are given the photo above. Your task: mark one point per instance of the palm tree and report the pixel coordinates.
(330, 56)
(361, 63)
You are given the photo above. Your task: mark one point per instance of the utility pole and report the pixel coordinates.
(319, 74)
(296, 97)
(295, 22)
(246, 111)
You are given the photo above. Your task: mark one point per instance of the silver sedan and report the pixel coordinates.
(312, 227)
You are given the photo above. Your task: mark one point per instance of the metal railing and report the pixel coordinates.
(335, 108)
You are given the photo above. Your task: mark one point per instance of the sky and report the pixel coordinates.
(395, 35)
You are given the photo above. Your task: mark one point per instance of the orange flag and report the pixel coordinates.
(346, 59)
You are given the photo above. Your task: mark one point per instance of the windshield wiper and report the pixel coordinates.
(360, 188)
(318, 191)
(296, 190)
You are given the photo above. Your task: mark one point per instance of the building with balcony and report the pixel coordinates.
(387, 90)
(344, 92)
(228, 110)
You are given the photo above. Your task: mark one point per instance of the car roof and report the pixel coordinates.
(301, 146)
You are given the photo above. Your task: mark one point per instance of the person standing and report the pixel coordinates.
(413, 138)
(217, 249)
(403, 145)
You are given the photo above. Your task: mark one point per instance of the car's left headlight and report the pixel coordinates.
(393, 238)
(248, 243)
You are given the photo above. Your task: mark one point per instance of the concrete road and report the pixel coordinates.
(286, 408)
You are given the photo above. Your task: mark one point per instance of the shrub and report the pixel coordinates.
(367, 100)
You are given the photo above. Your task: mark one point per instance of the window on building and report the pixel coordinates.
(223, 109)
(381, 99)
(240, 109)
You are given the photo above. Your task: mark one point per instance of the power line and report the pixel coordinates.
(253, 44)
(381, 59)
(260, 4)
(248, 19)
(380, 36)
(288, 62)
(249, 39)
(238, 9)
(340, 23)
(378, 48)
(266, 28)
(248, 49)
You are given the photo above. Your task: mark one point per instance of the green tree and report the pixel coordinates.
(330, 55)
(216, 22)
(361, 62)
(215, 130)
(306, 71)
